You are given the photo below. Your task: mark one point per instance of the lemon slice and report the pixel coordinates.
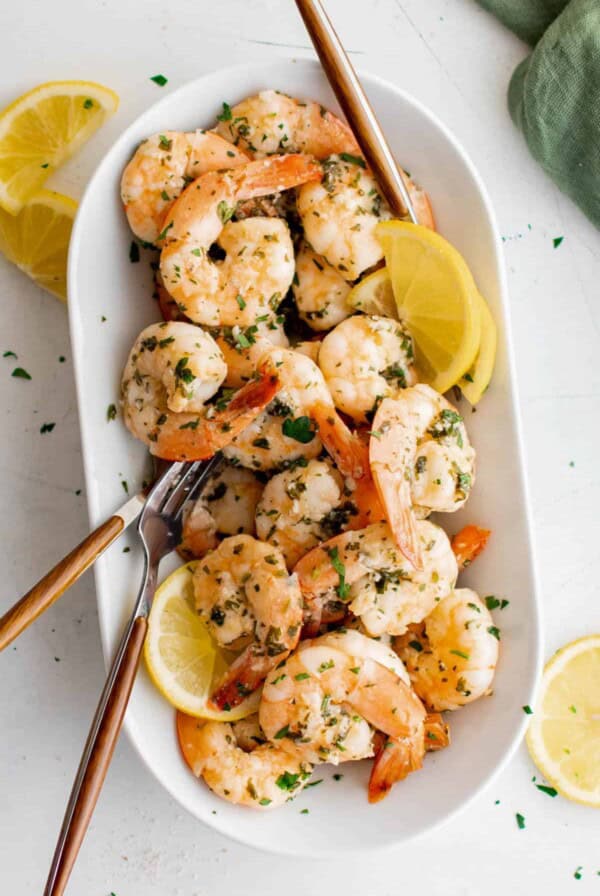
(437, 299)
(182, 658)
(37, 239)
(374, 295)
(42, 129)
(477, 379)
(564, 733)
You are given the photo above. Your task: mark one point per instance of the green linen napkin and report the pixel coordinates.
(554, 94)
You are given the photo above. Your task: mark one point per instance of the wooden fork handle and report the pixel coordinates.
(56, 582)
(97, 756)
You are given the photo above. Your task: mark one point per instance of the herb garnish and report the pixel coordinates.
(21, 374)
(299, 429)
(111, 412)
(160, 80)
(343, 589)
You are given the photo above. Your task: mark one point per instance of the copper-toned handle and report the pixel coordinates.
(97, 755)
(356, 107)
(56, 582)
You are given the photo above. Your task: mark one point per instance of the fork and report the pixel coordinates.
(159, 527)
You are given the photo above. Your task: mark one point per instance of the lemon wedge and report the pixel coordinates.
(37, 239)
(42, 129)
(183, 660)
(474, 383)
(437, 299)
(564, 733)
(374, 295)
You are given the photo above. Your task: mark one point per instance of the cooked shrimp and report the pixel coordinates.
(263, 777)
(226, 507)
(159, 170)
(451, 657)
(248, 600)
(173, 369)
(339, 215)
(366, 570)
(301, 507)
(421, 458)
(258, 268)
(330, 694)
(301, 420)
(320, 292)
(364, 359)
(272, 122)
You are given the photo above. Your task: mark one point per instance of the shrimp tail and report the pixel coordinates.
(394, 760)
(276, 173)
(191, 437)
(188, 728)
(437, 732)
(469, 543)
(244, 676)
(346, 449)
(399, 513)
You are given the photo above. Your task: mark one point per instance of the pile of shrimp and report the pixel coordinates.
(317, 563)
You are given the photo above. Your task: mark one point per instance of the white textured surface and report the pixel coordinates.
(457, 60)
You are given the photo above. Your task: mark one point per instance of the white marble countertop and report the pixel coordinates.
(457, 60)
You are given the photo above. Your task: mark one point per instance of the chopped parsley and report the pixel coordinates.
(163, 233)
(88, 103)
(9, 355)
(494, 631)
(579, 869)
(527, 710)
(134, 252)
(21, 374)
(299, 429)
(416, 645)
(283, 732)
(160, 80)
(550, 791)
(520, 821)
(225, 115)
(557, 241)
(265, 801)
(492, 603)
(287, 781)
(343, 589)
(125, 486)
(225, 212)
(353, 160)
(111, 412)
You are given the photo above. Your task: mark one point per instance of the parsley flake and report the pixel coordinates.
(299, 429)
(160, 80)
(520, 821)
(111, 412)
(343, 589)
(134, 252)
(21, 374)
(557, 241)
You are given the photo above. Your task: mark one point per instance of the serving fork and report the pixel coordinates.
(159, 527)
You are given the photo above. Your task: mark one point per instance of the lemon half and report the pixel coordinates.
(183, 660)
(564, 733)
(42, 129)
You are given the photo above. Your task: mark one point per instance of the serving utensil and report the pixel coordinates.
(60, 578)
(159, 527)
(356, 107)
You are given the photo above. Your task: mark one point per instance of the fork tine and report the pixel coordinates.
(197, 486)
(193, 479)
